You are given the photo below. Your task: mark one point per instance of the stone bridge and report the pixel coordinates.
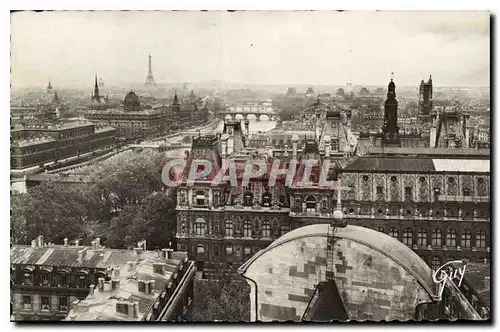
(242, 112)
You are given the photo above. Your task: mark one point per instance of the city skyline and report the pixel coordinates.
(250, 47)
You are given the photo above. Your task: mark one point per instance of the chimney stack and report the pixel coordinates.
(142, 244)
(91, 287)
(295, 140)
(115, 283)
(40, 241)
(77, 243)
(33, 244)
(65, 241)
(81, 254)
(100, 284)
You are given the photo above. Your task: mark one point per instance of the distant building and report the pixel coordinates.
(40, 144)
(49, 88)
(54, 282)
(425, 97)
(291, 91)
(98, 102)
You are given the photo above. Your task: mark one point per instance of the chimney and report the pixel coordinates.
(81, 254)
(116, 271)
(158, 268)
(77, 243)
(65, 241)
(100, 284)
(169, 253)
(132, 309)
(487, 283)
(131, 265)
(40, 241)
(142, 244)
(94, 245)
(91, 289)
(107, 286)
(115, 283)
(98, 243)
(33, 244)
(138, 251)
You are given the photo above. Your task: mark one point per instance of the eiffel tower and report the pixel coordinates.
(150, 81)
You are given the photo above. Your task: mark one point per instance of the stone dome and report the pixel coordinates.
(131, 102)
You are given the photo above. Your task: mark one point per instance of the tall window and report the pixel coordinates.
(45, 278)
(28, 277)
(408, 236)
(408, 194)
(199, 227)
(27, 301)
(435, 263)
(481, 239)
(247, 229)
(311, 204)
(45, 302)
(229, 249)
(466, 238)
(422, 237)
(82, 281)
(284, 229)
(229, 228)
(63, 279)
(436, 237)
(451, 238)
(266, 229)
(200, 249)
(200, 198)
(394, 232)
(63, 303)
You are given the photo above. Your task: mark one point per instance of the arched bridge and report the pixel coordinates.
(242, 112)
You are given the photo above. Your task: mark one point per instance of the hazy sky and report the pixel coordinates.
(251, 47)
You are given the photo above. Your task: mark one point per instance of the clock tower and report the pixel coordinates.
(390, 129)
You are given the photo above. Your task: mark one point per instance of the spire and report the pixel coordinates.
(176, 101)
(49, 87)
(56, 97)
(96, 96)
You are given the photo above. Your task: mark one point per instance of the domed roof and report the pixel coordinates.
(131, 102)
(385, 244)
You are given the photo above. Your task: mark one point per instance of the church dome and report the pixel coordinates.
(131, 102)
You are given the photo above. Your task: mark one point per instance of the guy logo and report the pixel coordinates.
(448, 272)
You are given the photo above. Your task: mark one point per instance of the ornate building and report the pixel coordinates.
(53, 282)
(132, 121)
(436, 201)
(98, 102)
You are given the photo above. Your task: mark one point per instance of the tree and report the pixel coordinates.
(225, 299)
(52, 210)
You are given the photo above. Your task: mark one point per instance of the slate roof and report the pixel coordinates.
(391, 164)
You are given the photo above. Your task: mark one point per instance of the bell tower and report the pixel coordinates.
(390, 128)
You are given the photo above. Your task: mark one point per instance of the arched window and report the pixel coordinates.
(466, 238)
(199, 227)
(435, 263)
(248, 199)
(247, 229)
(266, 199)
(481, 239)
(380, 229)
(451, 238)
(201, 199)
(394, 232)
(408, 236)
(284, 229)
(266, 229)
(422, 237)
(200, 249)
(436, 237)
(229, 228)
(311, 204)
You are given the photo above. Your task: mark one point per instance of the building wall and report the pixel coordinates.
(372, 285)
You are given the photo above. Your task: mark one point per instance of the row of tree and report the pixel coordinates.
(124, 203)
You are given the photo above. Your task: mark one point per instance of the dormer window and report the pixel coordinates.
(248, 199)
(311, 204)
(266, 199)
